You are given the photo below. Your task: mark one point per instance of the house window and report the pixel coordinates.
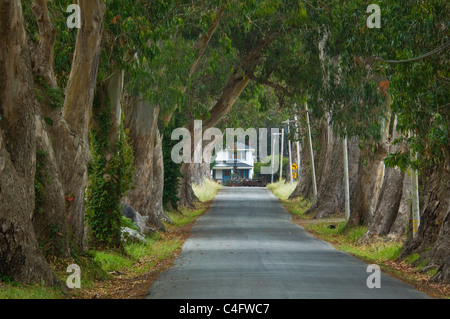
(226, 172)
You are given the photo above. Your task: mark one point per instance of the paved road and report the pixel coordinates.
(246, 247)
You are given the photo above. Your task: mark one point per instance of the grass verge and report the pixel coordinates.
(207, 191)
(281, 189)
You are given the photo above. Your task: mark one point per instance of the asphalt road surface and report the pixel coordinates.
(246, 247)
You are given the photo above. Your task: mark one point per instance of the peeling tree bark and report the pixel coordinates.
(400, 224)
(141, 120)
(157, 214)
(49, 218)
(389, 200)
(368, 185)
(71, 130)
(43, 58)
(432, 241)
(20, 257)
(330, 196)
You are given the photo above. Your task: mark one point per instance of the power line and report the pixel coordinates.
(443, 47)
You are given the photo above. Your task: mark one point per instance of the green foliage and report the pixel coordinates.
(126, 222)
(419, 89)
(15, 290)
(172, 174)
(266, 162)
(52, 244)
(110, 177)
(40, 180)
(65, 38)
(53, 97)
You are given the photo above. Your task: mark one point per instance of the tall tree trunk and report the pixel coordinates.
(114, 88)
(346, 178)
(156, 202)
(388, 205)
(390, 198)
(368, 185)
(142, 121)
(71, 131)
(147, 195)
(400, 224)
(370, 177)
(20, 257)
(432, 241)
(186, 195)
(49, 217)
(202, 171)
(330, 196)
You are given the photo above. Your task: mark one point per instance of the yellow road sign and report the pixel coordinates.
(294, 167)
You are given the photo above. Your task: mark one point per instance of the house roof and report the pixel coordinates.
(241, 147)
(230, 164)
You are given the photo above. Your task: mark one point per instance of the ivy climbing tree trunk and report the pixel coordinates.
(20, 257)
(110, 174)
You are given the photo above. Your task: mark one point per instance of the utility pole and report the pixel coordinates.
(281, 159)
(346, 182)
(290, 155)
(313, 170)
(273, 155)
(415, 197)
(298, 146)
(273, 151)
(288, 122)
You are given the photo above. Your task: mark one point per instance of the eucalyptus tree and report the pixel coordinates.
(132, 31)
(20, 257)
(408, 55)
(253, 39)
(24, 262)
(158, 86)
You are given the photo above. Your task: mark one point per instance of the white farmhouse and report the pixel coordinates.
(241, 158)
